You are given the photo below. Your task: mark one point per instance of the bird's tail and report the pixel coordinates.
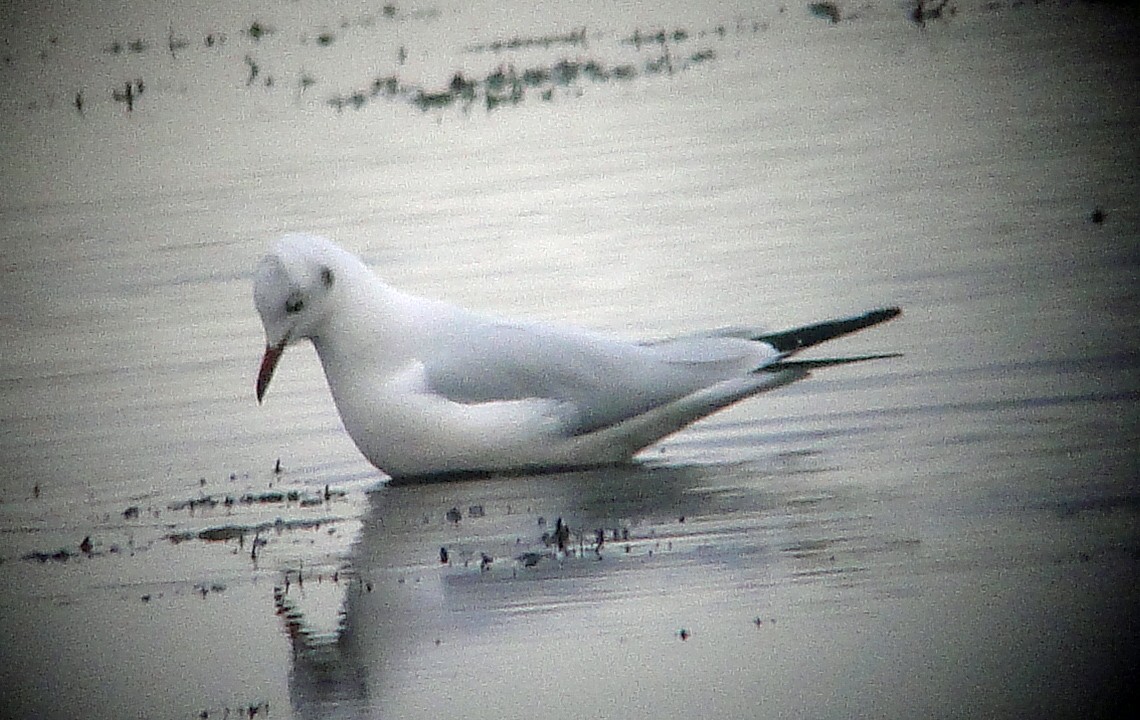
(789, 342)
(823, 362)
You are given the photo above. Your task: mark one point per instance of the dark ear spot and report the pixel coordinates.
(295, 303)
(327, 277)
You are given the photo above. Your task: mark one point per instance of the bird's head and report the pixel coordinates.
(293, 292)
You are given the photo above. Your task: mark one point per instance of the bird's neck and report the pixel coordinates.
(365, 331)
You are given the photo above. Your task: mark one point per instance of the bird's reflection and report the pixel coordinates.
(429, 553)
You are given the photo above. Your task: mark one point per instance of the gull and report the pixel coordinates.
(425, 388)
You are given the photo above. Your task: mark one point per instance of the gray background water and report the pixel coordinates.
(948, 534)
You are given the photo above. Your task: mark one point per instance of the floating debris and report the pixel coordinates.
(205, 501)
(254, 70)
(826, 10)
(923, 11)
(389, 86)
(130, 91)
(204, 589)
(427, 101)
(222, 534)
(561, 535)
(624, 72)
(266, 497)
(572, 38)
(702, 56)
(175, 43)
(61, 555)
(225, 533)
(637, 39)
(256, 31)
(258, 541)
(507, 85)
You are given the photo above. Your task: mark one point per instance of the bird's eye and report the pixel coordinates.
(294, 303)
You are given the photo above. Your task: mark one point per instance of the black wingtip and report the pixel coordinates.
(789, 341)
(824, 362)
(884, 314)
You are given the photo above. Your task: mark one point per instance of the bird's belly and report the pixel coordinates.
(405, 435)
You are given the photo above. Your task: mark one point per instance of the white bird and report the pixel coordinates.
(427, 388)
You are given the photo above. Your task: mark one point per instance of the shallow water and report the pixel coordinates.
(948, 534)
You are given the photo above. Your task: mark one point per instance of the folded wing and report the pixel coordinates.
(594, 381)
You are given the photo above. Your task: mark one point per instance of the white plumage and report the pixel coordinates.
(424, 387)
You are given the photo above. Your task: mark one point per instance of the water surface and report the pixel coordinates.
(948, 534)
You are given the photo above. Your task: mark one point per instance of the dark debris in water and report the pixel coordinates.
(825, 10)
(204, 589)
(671, 51)
(86, 548)
(89, 548)
(530, 559)
(247, 711)
(659, 37)
(932, 10)
(61, 555)
(572, 38)
(225, 533)
(270, 497)
(256, 30)
(507, 85)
